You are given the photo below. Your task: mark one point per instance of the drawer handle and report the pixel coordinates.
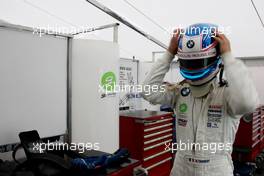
(157, 145)
(146, 123)
(256, 129)
(255, 126)
(255, 143)
(159, 163)
(160, 132)
(255, 122)
(158, 127)
(261, 137)
(157, 139)
(157, 154)
(256, 116)
(255, 137)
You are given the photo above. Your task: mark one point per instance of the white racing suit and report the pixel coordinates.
(205, 125)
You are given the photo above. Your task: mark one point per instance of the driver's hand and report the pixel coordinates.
(173, 47)
(223, 42)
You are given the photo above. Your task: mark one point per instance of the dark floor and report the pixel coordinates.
(262, 174)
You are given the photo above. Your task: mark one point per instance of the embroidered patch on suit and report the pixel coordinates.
(183, 107)
(215, 114)
(185, 91)
(182, 122)
(182, 116)
(198, 160)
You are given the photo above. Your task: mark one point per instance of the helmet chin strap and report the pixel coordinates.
(222, 82)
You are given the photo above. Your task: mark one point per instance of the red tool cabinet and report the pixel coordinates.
(144, 134)
(249, 140)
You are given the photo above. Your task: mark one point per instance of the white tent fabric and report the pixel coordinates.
(247, 33)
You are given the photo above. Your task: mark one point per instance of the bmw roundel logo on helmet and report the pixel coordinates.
(190, 44)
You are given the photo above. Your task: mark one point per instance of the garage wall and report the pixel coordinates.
(144, 68)
(172, 76)
(256, 68)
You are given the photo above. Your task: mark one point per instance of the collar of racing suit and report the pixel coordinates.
(200, 91)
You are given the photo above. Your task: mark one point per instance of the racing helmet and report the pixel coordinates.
(198, 53)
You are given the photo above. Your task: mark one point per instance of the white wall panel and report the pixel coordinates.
(94, 119)
(33, 74)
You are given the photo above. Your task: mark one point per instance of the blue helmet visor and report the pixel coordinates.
(196, 64)
(201, 73)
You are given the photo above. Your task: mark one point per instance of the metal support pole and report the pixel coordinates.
(257, 12)
(69, 91)
(115, 34)
(127, 23)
